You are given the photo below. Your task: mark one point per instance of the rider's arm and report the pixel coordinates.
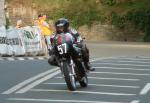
(75, 34)
(45, 24)
(53, 37)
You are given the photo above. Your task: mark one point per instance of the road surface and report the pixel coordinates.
(121, 76)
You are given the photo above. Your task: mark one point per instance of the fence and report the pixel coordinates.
(26, 41)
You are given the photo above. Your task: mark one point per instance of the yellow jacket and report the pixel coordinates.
(44, 28)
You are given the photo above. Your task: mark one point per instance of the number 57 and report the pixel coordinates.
(62, 48)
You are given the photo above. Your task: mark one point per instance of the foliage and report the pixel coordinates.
(108, 2)
(7, 23)
(85, 12)
(141, 18)
(117, 20)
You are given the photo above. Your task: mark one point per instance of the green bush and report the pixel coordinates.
(85, 18)
(147, 36)
(7, 23)
(77, 19)
(108, 2)
(117, 20)
(141, 19)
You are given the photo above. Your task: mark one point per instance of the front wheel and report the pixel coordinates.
(69, 77)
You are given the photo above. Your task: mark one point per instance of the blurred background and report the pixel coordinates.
(97, 20)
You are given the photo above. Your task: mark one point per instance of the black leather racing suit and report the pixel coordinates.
(79, 43)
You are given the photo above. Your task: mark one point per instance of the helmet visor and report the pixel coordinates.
(60, 28)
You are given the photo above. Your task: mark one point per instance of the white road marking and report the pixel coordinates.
(30, 58)
(10, 59)
(40, 58)
(135, 101)
(136, 59)
(20, 59)
(84, 92)
(118, 64)
(30, 86)
(61, 101)
(143, 57)
(116, 68)
(123, 61)
(117, 73)
(101, 78)
(146, 89)
(1, 58)
(56, 83)
(20, 85)
(122, 79)
(100, 85)
(104, 58)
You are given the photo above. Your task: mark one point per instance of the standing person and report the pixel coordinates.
(19, 24)
(45, 29)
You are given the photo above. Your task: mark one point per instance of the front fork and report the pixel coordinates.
(72, 65)
(72, 68)
(61, 68)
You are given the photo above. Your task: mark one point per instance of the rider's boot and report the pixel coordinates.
(89, 67)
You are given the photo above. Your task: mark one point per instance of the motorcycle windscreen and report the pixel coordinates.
(63, 43)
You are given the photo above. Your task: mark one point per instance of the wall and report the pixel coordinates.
(2, 13)
(100, 32)
(21, 9)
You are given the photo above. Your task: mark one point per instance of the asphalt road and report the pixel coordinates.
(122, 76)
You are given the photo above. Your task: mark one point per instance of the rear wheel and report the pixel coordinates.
(81, 72)
(84, 81)
(69, 77)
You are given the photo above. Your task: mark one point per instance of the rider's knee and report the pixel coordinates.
(52, 60)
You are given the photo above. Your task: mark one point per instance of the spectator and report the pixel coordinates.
(19, 24)
(45, 29)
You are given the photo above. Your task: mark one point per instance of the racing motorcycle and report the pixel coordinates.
(70, 62)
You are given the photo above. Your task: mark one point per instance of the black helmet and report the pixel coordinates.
(62, 23)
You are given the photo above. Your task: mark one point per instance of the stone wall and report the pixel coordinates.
(2, 13)
(21, 9)
(100, 32)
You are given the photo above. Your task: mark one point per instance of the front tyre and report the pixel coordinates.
(69, 77)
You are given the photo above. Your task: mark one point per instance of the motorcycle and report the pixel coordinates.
(70, 62)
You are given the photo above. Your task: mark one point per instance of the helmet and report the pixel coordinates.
(62, 25)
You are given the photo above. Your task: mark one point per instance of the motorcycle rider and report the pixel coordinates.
(62, 26)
